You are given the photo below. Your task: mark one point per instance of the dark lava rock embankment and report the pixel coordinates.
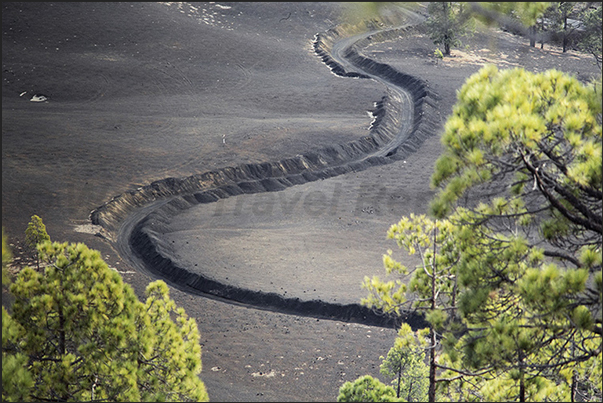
(402, 120)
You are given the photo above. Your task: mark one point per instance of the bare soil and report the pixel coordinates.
(139, 92)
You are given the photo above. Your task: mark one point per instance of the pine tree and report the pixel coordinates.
(7, 257)
(405, 365)
(516, 250)
(79, 319)
(86, 336)
(591, 40)
(16, 379)
(447, 22)
(433, 281)
(169, 353)
(35, 234)
(521, 179)
(367, 389)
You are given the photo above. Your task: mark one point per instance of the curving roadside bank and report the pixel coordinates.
(403, 118)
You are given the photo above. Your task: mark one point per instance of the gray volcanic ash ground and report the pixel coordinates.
(139, 92)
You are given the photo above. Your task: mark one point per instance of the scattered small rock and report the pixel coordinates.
(39, 98)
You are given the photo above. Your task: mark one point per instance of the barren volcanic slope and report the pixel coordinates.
(141, 92)
(155, 224)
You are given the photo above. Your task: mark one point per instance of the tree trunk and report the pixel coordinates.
(532, 35)
(446, 36)
(564, 34)
(574, 380)
(432, 367)
(522, 385)
(432, 333)
(573, 388)
(542, 30)
(61, 331)
(62, 347)
(399, 379)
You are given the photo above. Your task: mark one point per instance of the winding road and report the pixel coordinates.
(131, 220)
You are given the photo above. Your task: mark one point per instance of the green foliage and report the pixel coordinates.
(418, 235)
(169, 350)
(34, 235)
(520, 178)
(501, 12)
(405, 365)
(376, 13)
(521, 17)
(542, 128)
(78, 317)
(506, 387)
(591, 40)
(529, 12)
(367, 389)
(7, 256)
(447, 22)
(88, 337)
(35, 232)
(433, 281)
(526, 12)
(17, 381)
(510, 273)
(521, 305)
(557, 15)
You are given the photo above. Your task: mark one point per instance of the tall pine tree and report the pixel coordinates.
(77, 332)
(521, 178)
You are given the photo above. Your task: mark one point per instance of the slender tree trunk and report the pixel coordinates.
(574, 380)
(432, 352)
(432, 367)
(573, 388)
(454, 290)
(399, 379)
(564, 34)
(532, 34)
(522, 385)
(61, 331)
(62, 347)
(446, 36)
(542, 34)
